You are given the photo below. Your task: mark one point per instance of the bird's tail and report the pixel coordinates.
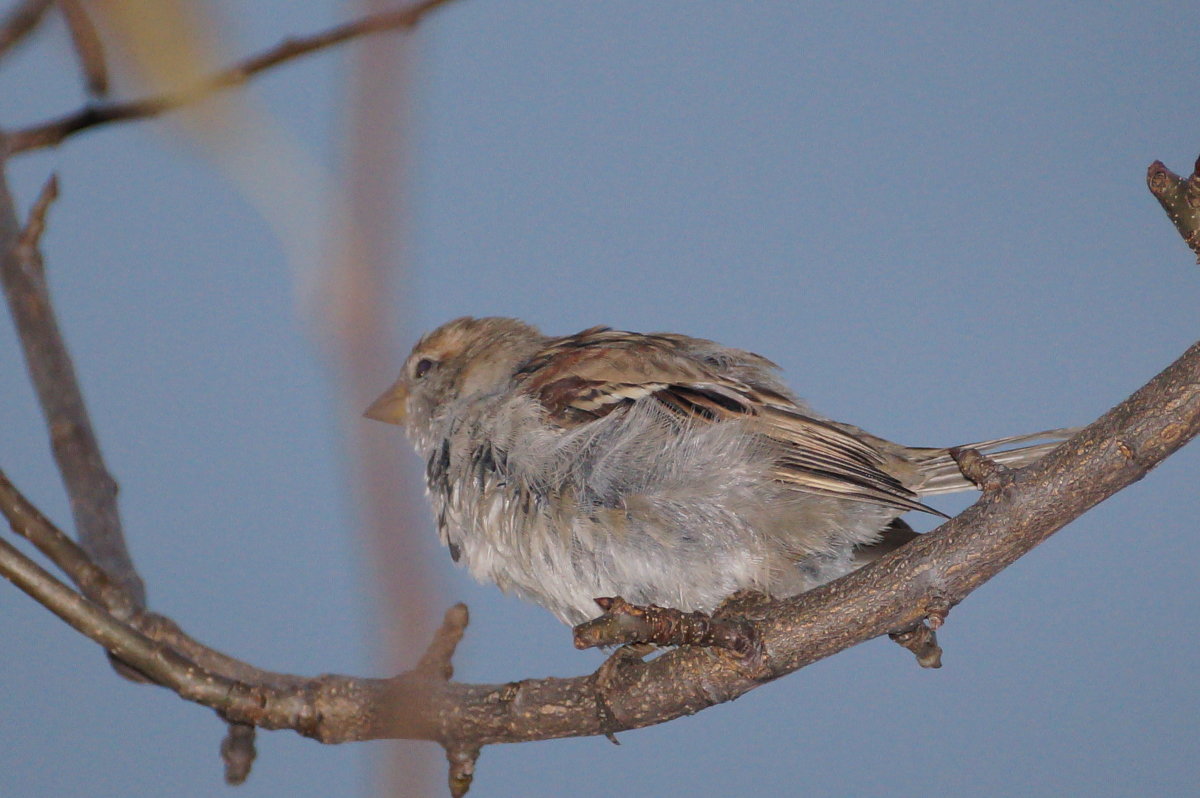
(940, 474)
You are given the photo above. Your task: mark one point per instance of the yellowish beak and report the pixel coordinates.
(390, 406)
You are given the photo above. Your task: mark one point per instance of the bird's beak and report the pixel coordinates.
(389, 407)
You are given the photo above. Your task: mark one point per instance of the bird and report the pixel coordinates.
(665, 469)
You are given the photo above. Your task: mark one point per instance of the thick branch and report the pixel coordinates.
(53, 132)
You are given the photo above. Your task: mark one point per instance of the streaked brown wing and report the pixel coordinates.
(822, 458)
(591, 374)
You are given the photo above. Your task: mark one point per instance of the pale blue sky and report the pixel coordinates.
(932, 215)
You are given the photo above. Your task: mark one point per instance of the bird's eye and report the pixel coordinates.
(422, 367)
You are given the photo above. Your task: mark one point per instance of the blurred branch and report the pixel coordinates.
(238, 752)
(88, 48)
(20, 21)
(53, 132)
(360, 309)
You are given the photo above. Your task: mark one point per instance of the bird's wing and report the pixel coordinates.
(584, 377)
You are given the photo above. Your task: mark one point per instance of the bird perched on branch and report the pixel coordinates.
(665, 469)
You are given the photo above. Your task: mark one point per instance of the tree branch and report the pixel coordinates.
(1180, 198)
(28, 522)
(53, 132)
(20, 21)
(88, 47)
(896, 595)
(102, 568)
(921, 579)
(92, 490)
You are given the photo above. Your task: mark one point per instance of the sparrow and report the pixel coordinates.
(661, 468)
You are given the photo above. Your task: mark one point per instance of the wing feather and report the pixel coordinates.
(599, 371)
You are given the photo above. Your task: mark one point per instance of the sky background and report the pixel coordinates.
(932, 215)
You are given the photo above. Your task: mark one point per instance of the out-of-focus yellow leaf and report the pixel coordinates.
(167, 46)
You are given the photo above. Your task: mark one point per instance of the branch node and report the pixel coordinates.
(505, 694)
(462, 758)
(238, 752)
(623, 623)
(31, 235)
(20, 21)
(988, 474)
(436, 662)
(922, 642)
(937, 607)
(1180, 199)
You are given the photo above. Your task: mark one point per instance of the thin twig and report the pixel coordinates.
(28, 522)
(88, 47)
(159, 663)
(20, 21)
(237, 701)
(53, 132)
(26, 250)
(92, 490)
(100, 564)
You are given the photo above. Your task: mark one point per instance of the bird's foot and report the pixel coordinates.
(746, 604)
(624, 623)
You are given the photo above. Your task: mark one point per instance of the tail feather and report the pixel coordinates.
(940, 474)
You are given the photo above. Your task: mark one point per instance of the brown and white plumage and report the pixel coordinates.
(662, 468)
